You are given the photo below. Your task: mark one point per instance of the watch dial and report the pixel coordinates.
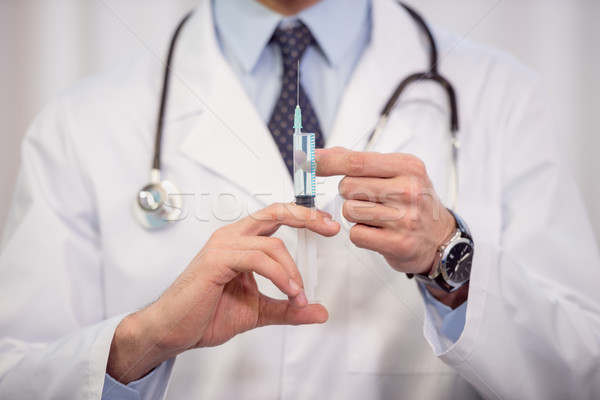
(458, 264)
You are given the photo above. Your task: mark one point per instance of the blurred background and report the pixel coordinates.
(48, 45)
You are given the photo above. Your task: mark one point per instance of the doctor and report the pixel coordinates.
(93, 305)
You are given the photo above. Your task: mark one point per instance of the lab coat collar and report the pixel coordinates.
(227, 135)
(395, 51)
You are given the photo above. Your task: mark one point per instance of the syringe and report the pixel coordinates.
(304, 190)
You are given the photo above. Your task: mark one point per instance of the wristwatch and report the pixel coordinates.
(452, 267)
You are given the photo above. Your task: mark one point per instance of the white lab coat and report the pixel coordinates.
(74, 261)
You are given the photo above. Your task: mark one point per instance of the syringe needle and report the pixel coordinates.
(297, 111)
(298, 85)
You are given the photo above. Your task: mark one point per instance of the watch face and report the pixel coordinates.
(458, 261)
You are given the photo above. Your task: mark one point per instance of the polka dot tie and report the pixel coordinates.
(293, 42)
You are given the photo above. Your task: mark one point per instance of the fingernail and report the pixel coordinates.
(294, 286)
(301, 298)
(326, 214)
(329, 221)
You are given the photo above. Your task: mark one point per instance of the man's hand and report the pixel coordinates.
(396, 211)
(216, 297)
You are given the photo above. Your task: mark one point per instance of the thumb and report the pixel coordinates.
(282, 312)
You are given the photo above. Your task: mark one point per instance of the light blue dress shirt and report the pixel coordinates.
(342, 32)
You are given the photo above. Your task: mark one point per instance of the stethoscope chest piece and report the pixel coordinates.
(157, 205)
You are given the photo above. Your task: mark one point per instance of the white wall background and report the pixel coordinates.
(48, 45)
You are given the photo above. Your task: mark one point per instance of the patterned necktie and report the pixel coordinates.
(293, 42)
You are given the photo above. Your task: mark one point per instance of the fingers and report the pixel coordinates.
(266, 221)
(390, 190)
(384, 241)
(245, 246)
(374, 214)
(338, 161)
(273, 248)
(254, 260)
(281, 312)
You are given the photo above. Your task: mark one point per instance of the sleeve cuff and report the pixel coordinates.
(443, 325)
(151, 387)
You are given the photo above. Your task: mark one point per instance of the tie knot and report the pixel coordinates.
(293, 41)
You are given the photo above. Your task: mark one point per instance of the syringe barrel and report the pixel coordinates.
(304, 167)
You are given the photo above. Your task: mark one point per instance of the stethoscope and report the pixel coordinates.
(159, 203)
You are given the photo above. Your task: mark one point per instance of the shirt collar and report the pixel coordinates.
(246, 26)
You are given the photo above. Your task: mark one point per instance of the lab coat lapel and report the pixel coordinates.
(228, 137)
(377, 74)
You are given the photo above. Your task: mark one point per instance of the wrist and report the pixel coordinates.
(452, 299)
(133, 351)
(447, 230)
(452, 266)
